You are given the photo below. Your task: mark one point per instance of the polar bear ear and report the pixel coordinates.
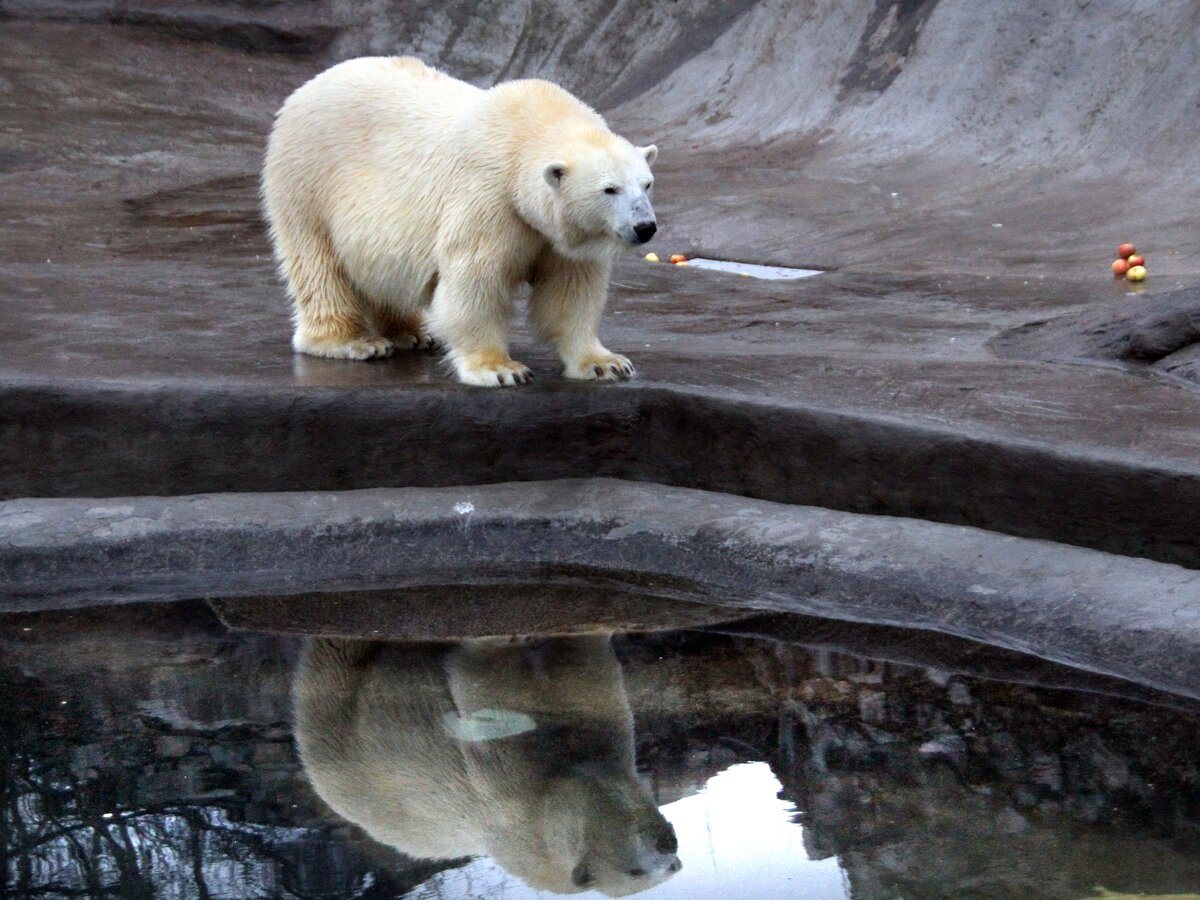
(651, 154)
(554, 173)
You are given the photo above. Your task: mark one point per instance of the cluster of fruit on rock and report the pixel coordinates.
(677, 258)
(1129, 263)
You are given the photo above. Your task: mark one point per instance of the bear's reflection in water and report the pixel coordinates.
(521, 750)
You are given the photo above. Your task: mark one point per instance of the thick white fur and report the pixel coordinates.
(407, 207)
(384, 732)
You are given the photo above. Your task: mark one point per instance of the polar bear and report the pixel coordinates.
(407, 208)
(520, 751)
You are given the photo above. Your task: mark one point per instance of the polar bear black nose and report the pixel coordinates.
(644, 231)
(666, 843)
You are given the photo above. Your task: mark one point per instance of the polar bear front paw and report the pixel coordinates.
(600, 367)
(491, 369)
(355, 348)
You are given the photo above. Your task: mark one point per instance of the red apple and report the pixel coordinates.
(678, 258)
(1120, 266)
(1136, 260)
(1126, 250)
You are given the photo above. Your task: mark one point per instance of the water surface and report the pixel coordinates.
(753, 270)
(152, 752)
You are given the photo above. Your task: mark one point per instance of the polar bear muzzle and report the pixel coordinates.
(644, 231)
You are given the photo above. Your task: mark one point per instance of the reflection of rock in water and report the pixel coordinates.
(923, 785)
(926, 786)
(145, 752)
(520, 750)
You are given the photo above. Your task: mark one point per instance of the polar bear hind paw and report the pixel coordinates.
(407, 332)
(600, 367)
(418, 341)
(354, 348)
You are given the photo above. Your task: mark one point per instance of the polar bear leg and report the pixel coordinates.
(328, 315)
(471, 308)
(565, 306)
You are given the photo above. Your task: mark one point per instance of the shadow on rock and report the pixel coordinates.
(1162, 332)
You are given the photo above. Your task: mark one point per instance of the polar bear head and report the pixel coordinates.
(599, 192)
(597, 831)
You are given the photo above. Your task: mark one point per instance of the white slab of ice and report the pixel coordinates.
(771, 273)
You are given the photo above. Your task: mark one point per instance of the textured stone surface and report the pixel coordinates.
(143, 341)
(1128, 617)
(123, 439)
(955, 167)
(1162, 333)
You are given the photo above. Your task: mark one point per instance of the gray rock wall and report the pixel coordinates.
(1041, 82)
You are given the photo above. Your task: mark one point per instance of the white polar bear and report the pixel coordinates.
(520, 751)
(407, 207)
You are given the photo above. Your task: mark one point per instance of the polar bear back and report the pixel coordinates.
(362, 153)
(369, 725)
(358, 114)
(378, 154)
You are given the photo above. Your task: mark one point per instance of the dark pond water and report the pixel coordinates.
(153, 752)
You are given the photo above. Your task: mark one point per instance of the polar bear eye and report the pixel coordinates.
(648, 185)
(612, 190)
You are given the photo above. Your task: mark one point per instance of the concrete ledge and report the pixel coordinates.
(1132, 618)
(78, 440)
